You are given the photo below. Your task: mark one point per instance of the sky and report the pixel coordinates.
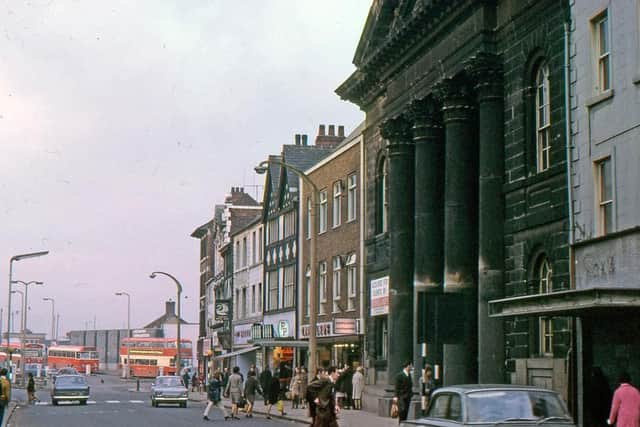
(123, 123)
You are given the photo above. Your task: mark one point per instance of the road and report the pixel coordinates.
(114, 402)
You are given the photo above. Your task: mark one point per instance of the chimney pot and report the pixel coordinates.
(340, 130)
(305, 139)
(297, 139)
(321, 130)
(332, 130)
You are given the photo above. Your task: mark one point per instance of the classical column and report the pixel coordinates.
(429, 226)
(401, 167)
(487, 74)
(460, 232)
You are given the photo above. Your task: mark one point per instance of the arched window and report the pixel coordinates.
(382, 196)
(544, 275)
(543, 119)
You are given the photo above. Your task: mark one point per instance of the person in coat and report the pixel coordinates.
(304, 380)
(265, 383)
(31, 389)
(357, 387)
(625, 408)
(294, 388)
(322, 399)
(214, 396)
(234, 390)
(403, 391)
(427, 385)
(273, 397)
(348, 387)
(251, 387)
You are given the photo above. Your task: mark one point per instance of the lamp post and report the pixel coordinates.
(16, 258)
(313, 291)
(53, 316)
(26, 297)
(22, 358)
(179, 287)
(121, 293)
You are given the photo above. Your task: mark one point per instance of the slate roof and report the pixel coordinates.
(303, 157)
(241, 218)
(250, 222)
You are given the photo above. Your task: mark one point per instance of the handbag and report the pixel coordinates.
(394, 411)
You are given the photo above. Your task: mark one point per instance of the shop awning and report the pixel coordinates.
(237, 352)
(281, 343)
(582, 302)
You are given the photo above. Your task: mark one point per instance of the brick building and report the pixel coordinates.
(339, 255)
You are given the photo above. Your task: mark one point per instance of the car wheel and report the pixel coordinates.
(83, 402)
(183, 404)
(154, 403)
(54, 402)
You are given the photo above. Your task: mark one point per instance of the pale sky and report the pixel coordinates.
(122, 124)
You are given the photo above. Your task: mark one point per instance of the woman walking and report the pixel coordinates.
(251, 386)
(357, 383)
(304, 380)
(273, 397)
(214, 395)
(294, 387)
(625, 408)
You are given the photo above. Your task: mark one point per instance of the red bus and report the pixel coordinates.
(75, 356)
(149, 356)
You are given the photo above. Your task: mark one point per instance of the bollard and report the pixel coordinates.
(137, 384)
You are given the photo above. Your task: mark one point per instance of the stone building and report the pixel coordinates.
(339, 254)
(465, 185)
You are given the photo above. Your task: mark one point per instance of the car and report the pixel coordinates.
(70, 388)
(169, 389)
(491, 405)
(68, 371)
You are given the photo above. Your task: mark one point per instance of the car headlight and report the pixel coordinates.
(158, 393)
(184, 394)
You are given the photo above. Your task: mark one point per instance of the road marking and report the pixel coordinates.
(42, 403)
(113, 401)
(136, 401)
(91, 402)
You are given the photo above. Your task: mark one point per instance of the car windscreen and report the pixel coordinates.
(70, 381)
(500, 405)
(169, 382)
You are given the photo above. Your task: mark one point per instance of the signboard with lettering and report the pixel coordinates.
(242, 334)
(380, 296)
(344, 326)
(222, 309)
(323, 329)
(283, 329)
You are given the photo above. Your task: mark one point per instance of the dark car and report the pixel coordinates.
(169, 389)
(70, 388)
(491, 405)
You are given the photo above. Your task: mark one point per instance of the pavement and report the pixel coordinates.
(346, 418)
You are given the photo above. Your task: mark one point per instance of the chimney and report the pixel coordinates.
(297, 139)
(170, 308)
(331, 140)
(305, 138)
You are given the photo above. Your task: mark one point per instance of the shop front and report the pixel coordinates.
(276, 337)
(339, 343)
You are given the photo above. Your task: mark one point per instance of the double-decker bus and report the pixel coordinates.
(75, 356)
(150, 357)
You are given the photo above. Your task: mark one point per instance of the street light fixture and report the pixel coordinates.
(26, 296)
(121, 293)
(53, 316)
(179, 287)
(313, 309)
(16, 258)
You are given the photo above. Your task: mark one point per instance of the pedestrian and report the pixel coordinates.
(251, 386)
(5, 392)
(403, 391)
(427, 385)
(194, 382)
(185, 378)
(214, 398)
(625, 408)
(274, 397)
(31, 389)
(357, 388)
(339, 388)
(225, 377)
(347, 386)
(322, 401)
(304, 380)
(265, 383)
(233, 389)
(294, 389)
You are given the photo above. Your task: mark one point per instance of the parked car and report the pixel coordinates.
(490, 405)
(68, 371)
(70, 388)
(169, 389)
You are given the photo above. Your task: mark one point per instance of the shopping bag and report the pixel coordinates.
(280, 406)
(394, 411)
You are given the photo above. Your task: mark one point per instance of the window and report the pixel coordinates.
(322, 286)
(307, 294)
(245, 248)
(236, 305)
(289, 223)
(352, 281)
(543, 118)
(253, 299)
(272, 230)
(323, 212)
(604, 188)
(260, 244)
(336, 283)
(237, 255)
(272, 278)
(352, 203)
(545, 286)
(382, 198)
(259, 297)
(254, 252)
(601, 52)
(382, 338)
(243, 305)
(337, 204)
(289, 286)
(309, 215)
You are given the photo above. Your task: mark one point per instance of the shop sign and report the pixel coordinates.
(283, 328)
(345, 326)
(323, 329)
(261, 331)
(242, 334)
(222, 309)
(380, 296)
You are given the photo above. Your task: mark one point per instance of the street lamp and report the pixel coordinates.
(179, 286)
(17, 258)
(26, 297)
(121, 293)
(53, 316)
(22, 358)
(313, 309)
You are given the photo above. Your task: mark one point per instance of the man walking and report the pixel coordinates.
(214, 392)
(403, 391)
(5, 392)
